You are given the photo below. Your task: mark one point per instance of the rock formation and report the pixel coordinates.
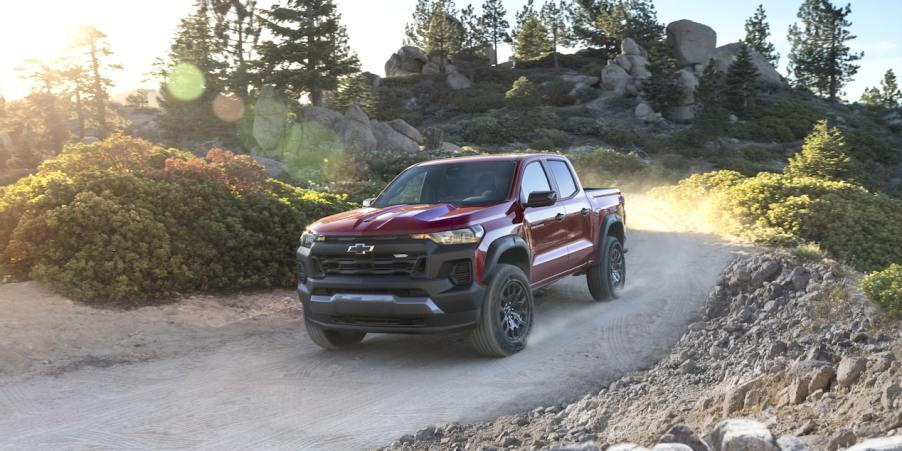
(411, 61)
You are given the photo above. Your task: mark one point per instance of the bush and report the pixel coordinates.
(99, 225)
(581, 126)
(483, 129)
(478, 99)
(823, 155)
(550, 139)
(843, 219)
(885, 288)
(524, 94)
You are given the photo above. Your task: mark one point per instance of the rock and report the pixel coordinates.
(840, 439)
(639, 67)
(629, 47)
(274, 169)
(355, 132)
(682, 433)
(691, 42)
(621, 447)
(587, 80)
(741, 435)
(614, 78)
(588, 446)
(776, 349)
(458, 81)
(407, 130)
(768, 271)
(432, 68)
(624, 62)
(387, 138)
(893, 443)
(449, 147)
(682, 114)
(733, 118)
(724, 55)
(320, 115)
(646, 114)
(815, 374)
(849, 369)
(270, 120)
(890, 394)
(799, 278)
(90, 140)
(792, 443)
(6, 142)
(408, 60)
(671, 447)
(426, 434)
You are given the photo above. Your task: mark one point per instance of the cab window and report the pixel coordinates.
(534, 179)
(564, 178)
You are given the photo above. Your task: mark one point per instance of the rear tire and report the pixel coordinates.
(507, 314)
(608, 277)
(333, 339)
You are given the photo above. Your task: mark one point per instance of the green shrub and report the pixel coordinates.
(480, 98)
(106, 222)
(780, 121)
(758, 154)
(524, 94)
(622, 137)
(885, 288)
(550, 139)
(823, 155)
(483, 129)
(557, 93)
(581, 126)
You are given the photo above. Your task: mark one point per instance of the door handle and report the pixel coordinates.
(559, 217)
(585, 211)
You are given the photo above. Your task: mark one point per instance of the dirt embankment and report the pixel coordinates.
(792, 345)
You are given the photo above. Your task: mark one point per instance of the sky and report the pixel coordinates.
(140, 32)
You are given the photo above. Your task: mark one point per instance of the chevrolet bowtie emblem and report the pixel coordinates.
(360, 249)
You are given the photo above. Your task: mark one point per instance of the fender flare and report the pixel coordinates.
(610, 220)
(497, 249)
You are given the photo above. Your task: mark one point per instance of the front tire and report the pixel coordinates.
(507, 314)
(608, 277)
(333, 339)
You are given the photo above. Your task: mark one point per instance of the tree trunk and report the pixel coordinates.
(99, 97)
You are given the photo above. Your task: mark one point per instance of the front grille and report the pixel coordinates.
(302, 272)
(383, 266)
(378, 321)
(399, 292)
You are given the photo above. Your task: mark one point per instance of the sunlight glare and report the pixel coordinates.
(185, 82)
(228, 107)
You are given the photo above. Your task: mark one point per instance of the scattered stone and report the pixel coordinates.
(849, 369)
(458, 81)
(893, 443)
(741, 435)
(840, 439)
(792, 443)
(890, 394)
(682, 433)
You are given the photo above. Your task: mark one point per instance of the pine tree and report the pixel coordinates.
(435, 28)
(474, 35)
(709, 100)
(739, 85)
(237, 27)
(555, 16)
(309, 51)
(494, 19)
(77, 81)
(530, 35)
(871, 97)
(603, 24)
(187, 115)
(890, 96)
(823, 155)
(820, 59)
(662, 90)
(355, 90)
(95, 49)
(757, 33)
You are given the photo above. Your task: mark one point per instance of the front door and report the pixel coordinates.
(578, 222)
(544, 227)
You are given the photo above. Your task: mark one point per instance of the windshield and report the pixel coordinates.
(471, 183)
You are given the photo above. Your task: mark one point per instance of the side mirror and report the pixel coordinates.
(368, 202)
(541, 199)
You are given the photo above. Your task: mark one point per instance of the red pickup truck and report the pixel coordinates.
(460, 244)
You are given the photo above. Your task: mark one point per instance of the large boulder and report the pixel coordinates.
(270, 119)
(407, 130)
(614, 78)
(741, 435)
(893, 443)
(691, 42)
(725, 55)
(355, 132)
(688, 83)
(682, 114)
(645, 113)
(629, 47)
(458, 81)
(432, 68)
(387, 138)
(320, 115)
(638, 66)
(6, 143)
(408, 60)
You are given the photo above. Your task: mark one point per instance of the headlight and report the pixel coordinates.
(308, 238)
(469, 235)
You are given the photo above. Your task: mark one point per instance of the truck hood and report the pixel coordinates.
(398, 220)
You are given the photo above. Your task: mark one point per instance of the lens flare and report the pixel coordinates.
(228, 107)
(185, 82)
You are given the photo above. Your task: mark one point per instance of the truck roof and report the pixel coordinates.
(499, 157)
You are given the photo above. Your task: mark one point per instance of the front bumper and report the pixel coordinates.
(424, 302)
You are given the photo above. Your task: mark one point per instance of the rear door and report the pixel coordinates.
(544, 226)
(578, 220)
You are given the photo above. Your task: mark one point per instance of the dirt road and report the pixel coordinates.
(227, 376)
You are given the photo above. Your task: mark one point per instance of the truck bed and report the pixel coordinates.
(604, 198)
